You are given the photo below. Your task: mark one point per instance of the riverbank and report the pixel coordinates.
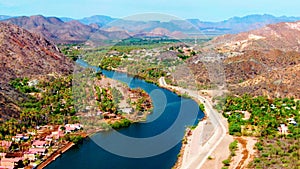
(198, 149)
(55, 155)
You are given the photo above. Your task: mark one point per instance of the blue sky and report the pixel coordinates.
(207, 10)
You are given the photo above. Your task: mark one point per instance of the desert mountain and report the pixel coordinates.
(100, 20)
(58, 31)
(240, 24)
(68, 30)
(231, 26)
(283, 36)
(265, 61)
(23, 54)
(273, 73)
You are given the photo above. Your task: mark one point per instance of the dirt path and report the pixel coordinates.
(245, 154)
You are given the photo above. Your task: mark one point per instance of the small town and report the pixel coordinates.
(30, 149)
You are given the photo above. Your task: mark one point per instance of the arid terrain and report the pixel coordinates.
(259, 62)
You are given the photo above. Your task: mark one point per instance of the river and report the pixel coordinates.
(171, 114)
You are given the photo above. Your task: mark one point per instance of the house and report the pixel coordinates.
(127, 110)
(72, 127)
(57, 134)
(292, 121)
(2, 155)
(273, 106)
(39, 144)
(11, 162)
(5, 144)
(76, 47)
(33, 152)
(283, 129)
(30, 156)
(4, 167)
(25, 137)
(109, 115)
(32, 133)
(49, 138)
(33, 83)
(17, 137)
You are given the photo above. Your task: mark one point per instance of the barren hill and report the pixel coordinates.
(284, 36)
(260, 62)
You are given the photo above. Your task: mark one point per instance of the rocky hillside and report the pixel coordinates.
(23, 54)
(260, 62)
(273, 73)
(283, 36)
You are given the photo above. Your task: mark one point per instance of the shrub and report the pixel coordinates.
(226, 162)
(256, 160)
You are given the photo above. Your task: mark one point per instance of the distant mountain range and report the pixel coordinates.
(68, 30)
(58, 31)
(241, 24)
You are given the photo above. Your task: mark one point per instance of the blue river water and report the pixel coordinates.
(169, 110)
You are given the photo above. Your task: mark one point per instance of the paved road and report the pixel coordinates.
(192, 160)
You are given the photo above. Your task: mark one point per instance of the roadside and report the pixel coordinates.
(198, 149)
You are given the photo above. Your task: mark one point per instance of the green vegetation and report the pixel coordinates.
(185, 95)
(193, 127)
(202, 107)
(51, 103)
(121, 124)
(105, 101)
(71, 51)
(146, 41)
(76, 139)
(150, 74)
(182, 56)
(22, 85)
(117, 95)
(134, 57)
(275, 149)
(110, 62)
(232, 147)
(226, 162)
